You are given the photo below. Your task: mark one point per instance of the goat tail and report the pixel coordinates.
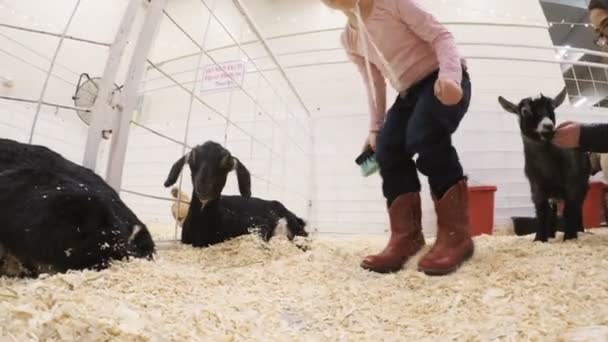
(594, 163)
(296, 225)
(297, 228)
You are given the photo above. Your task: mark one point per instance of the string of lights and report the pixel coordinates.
(38, 22)
(571, 24)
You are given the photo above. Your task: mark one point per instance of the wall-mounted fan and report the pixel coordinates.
(85, 96)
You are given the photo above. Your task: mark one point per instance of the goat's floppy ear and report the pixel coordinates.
(508, 106)
(244, 178)
(176, 169)
(559, 99)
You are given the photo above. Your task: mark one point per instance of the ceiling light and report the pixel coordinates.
(580, 102)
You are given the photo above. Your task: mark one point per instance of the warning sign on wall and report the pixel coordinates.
(223, 76)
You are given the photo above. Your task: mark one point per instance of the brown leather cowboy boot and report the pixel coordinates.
(453, 245)
(406, 236)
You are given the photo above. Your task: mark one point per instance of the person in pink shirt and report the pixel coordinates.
(398, 40)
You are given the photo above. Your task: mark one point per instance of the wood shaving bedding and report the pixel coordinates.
(162, 232)
(511, 290)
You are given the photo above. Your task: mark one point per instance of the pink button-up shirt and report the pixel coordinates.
(413, 43)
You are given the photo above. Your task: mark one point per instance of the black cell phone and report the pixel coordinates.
(365, 155)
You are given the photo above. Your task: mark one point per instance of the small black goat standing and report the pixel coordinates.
(213, 218)
(553, 173)
(57, 216)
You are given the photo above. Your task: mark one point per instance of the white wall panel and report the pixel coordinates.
(269, 131)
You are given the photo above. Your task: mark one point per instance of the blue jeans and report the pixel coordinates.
(418, 124)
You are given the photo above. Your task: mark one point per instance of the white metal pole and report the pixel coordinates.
(102, 110)
(137, 67)
(269, 177)
(228, 120)
(259, 90)
(313, 172)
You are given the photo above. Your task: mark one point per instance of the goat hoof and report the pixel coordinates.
(570, 237)
(543, 240)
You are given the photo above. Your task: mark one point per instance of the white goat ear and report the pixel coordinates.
(507, 105)
(559, 99)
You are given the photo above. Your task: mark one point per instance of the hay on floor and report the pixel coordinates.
(244, 290)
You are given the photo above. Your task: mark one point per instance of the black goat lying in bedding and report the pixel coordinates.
(57, 216)
(553, 173)
(213, 218)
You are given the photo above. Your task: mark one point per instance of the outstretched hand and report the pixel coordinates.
(567, 134)
(448, 91)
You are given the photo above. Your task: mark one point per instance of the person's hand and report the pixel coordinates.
(567, 134)
(371, 141)
(448, 92)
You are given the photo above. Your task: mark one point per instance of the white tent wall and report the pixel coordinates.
(263, 122)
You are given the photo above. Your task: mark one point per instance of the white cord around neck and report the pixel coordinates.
(363, 41)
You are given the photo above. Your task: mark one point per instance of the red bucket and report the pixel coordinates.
(592, 207)
(481, 209)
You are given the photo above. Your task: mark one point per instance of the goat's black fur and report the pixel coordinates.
(553, 173)
(213, 218)
(58, 216)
